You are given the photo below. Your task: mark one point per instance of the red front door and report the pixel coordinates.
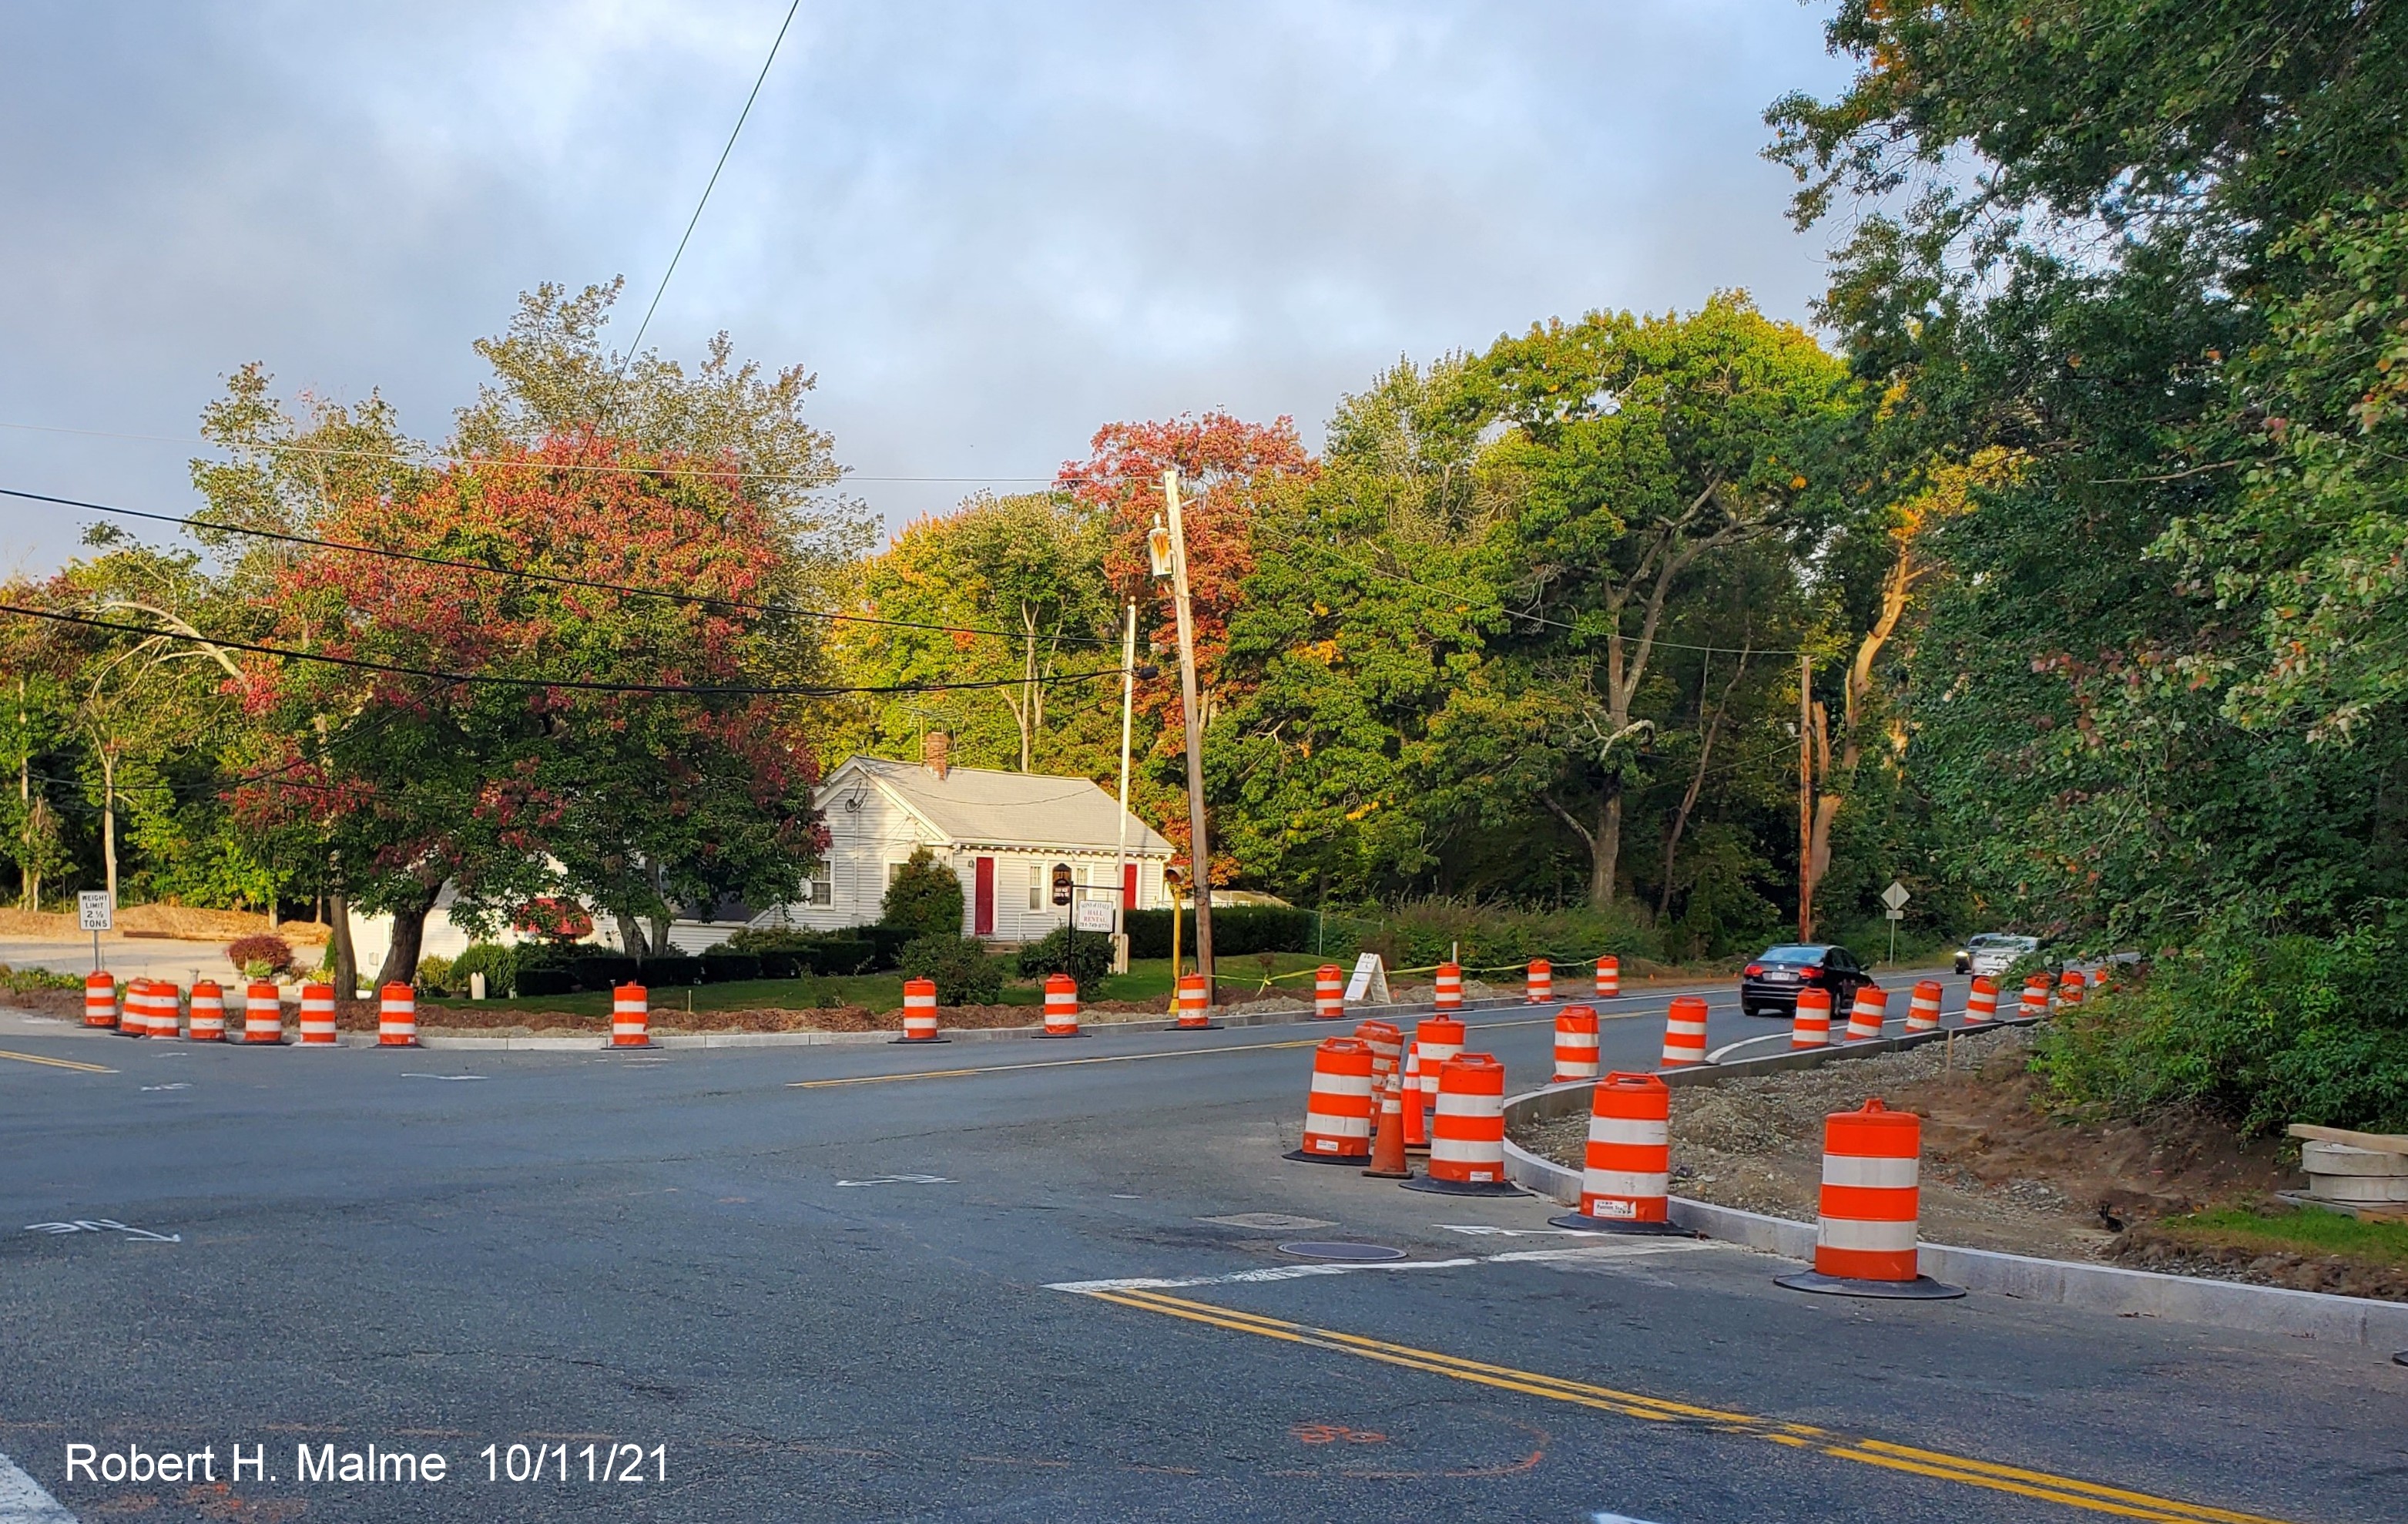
(1128, 885)
(982, 898)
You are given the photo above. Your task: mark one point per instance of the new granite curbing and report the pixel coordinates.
(2063, 1283)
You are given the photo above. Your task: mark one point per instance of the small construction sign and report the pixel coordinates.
(1371, 982)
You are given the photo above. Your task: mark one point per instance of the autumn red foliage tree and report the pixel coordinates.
(488, 767)
(1229, 471)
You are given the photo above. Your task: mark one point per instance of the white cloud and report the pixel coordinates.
(990, 228)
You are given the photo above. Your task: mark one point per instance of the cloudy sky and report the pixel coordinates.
(989, 228)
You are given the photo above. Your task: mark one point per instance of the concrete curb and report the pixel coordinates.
(2062, 1282)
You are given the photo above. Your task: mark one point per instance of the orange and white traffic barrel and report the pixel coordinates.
(1467, 1153)
(2070, 988)
(919, 1011)
(1061, 1006)
(1439, 1038)
(1575, 1044)
(135, 1022)
(263, 1015)
(1541, 986)
(1684, 1032)
(1982, 1001)
(1867, 1012)
(2035, 1002)
(1609, 978)
(631, 1014)
(1338, 1108)
(1328, 992)
(166, 1009)
(1865, 1244)
(1387, 1045)
(1923, 1007)
(1194, 1005)
(397, 1016)
(317, 1016)
(99, 1000)
(1811, 1028)
(1410, 1098)
(1628, 1167)
(1448, 987)
(209, 1012)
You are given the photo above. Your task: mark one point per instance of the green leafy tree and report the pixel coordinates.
(925, 899)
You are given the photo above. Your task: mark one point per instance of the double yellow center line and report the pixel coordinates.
(55, 1063)
(2091, 1497)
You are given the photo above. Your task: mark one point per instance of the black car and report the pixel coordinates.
(1770, 984)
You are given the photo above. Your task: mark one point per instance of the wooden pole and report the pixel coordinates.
(1805, 798)
(1199, 852)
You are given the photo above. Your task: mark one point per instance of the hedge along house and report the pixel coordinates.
(1002, 833)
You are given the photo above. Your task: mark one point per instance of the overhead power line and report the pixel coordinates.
(730, 690)
(740, 117)
(527, 574)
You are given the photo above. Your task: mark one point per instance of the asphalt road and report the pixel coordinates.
(831, 1283)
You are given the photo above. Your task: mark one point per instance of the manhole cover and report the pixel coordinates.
(1269, 1221)
(1351, 1253)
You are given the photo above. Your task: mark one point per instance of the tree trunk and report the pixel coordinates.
(409, 932)
(1697, 778)
(1605, 848)
(631, 935)
(347, 962)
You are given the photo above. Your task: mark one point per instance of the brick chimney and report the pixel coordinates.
(932, 752)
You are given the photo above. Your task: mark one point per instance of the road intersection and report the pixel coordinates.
(882, 1281)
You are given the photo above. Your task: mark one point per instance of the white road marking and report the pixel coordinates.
(1621, 1249)
(179, 1085)
(1269, 1221)
(24, 1502)
(1613, 1518)
(103, 1225)
(900, 1180)
(413, 1075)
(1485, 1229)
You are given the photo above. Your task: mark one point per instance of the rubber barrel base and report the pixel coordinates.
(1057, 1036)
(613, 1047)
(919, 1042)
(1621, 1224)
(1921, 1288)
(1357, 1160)
(1208, 1027)
(1465, 1188)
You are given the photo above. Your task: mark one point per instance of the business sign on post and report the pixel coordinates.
(1061, 883)
(1093, 915)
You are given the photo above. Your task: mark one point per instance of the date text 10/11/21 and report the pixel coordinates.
(559, 1463)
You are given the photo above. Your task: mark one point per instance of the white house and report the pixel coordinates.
(1003, 833)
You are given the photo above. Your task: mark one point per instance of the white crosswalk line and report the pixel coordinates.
(24, 1502)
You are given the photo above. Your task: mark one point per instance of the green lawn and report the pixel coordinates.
(2305, 1230)
(1148, 979)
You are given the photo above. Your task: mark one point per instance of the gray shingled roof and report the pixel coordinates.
(1005, 809)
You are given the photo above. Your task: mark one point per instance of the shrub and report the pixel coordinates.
(434, 975)
(768, 939)
(836, 957)
(924, 899)
(496, 962)
(719, 968)
(887, 945)
(18, 980)
(1086, 958)
(668, 971)
(531, 982)
(1236, 930)
(261, 958)
(2258, 1028)
(964, 973)
(602, 971)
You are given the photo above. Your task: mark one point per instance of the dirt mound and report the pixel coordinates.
(2190, 1251)
(1998, 1173)
(182, 922)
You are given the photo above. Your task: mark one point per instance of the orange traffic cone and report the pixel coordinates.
(1388, 1143)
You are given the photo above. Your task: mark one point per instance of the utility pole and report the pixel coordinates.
(1120, 826)
(1200, 854)
(1805, 798)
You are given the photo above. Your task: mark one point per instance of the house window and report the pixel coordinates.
(892, 868)
(1036, 887)
(819, 888)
